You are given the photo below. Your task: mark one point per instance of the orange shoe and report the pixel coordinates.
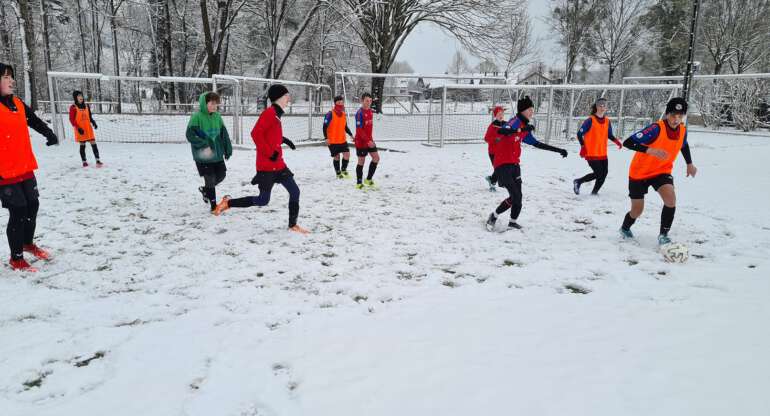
(37, 252)
(222, 206)
(22, 266)
(299, 230)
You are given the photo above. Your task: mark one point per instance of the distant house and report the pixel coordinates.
(537, 78)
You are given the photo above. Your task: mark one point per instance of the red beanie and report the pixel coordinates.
(496, 110)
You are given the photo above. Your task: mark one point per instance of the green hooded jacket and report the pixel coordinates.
(208, 136)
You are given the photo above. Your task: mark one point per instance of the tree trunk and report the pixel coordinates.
(30, 62)
(115, 52)
(5, 36)
(82, 44)
(167, 49)
(211, 60)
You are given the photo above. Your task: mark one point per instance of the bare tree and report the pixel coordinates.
(569, 20)
(27, 36)
(513, 48)
(718, 32)
(383, 26)
(752, 36)
(226, 12)
(617, 33)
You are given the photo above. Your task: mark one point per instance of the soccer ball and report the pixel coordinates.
(675, 252)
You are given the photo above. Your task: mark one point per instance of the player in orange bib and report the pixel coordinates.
(18, 185)
(83, 122)
(593, 136)
(657, 146)
(336, 133)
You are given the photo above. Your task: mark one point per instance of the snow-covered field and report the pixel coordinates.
(399, 302)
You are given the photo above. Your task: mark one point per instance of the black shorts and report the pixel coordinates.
(363, 151)
(267, 179)
(637, 189)
(508, 175)
(19, 194)
(336, 149)
(215, 168)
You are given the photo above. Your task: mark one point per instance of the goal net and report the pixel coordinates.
(130, 109)
(740, 101)
(403, 103)
(461, 113)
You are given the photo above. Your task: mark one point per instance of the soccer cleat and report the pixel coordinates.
(626, 234)
(513, 225)
(345, 174)
(359, 186)
(339, 176)
(491, 222)
(99, 164)
(369, 183)
(490, 183)
(222, 206)
(576, 186)
(85, 164)
(203, 193)
(663, 240)
(299, 230)
(22, 266)
(37, 252)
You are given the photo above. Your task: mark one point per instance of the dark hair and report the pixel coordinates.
(366, 95)
(339, 98)
(212, 96)
(593, 106)
(6, 69)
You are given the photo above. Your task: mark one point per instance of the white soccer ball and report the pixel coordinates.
(675, 252)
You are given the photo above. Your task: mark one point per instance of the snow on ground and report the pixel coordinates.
(400, 302)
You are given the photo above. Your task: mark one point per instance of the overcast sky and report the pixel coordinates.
(429, 50)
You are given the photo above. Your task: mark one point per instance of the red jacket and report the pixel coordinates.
(491, 135)
(507, 149)
(268, 137)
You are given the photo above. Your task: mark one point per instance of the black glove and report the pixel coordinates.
(51, 140)
(506, 131)
(80, 131)
(274, 157)
(289, 143)
(254, 180)
(529, 127)
(563, 152)
(95, 126)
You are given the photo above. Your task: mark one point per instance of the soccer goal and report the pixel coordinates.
(403, 102)
(461, 113)
(741, 101)
(132, 109)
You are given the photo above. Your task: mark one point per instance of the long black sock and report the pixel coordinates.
(15, 231)
(96, 151)
(587, 178)
(666, 219)
(359, 173)
(244, 202)
(83, 152)
(628, 221)
(372, 168)
(504, 206)
(345, 164)
(211, 194)
(293, 213)
(336, 164)
(598, 184)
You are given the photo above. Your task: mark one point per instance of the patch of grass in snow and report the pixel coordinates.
(576, 288)
(84, 362)
(37, 381)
